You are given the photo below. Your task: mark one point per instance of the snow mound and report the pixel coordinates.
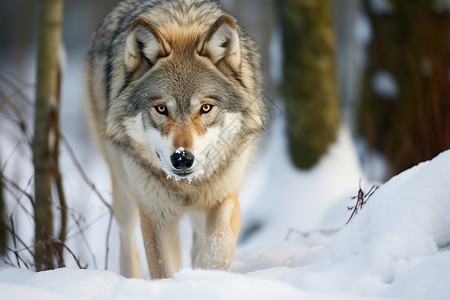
(397, 245)
(407, 219)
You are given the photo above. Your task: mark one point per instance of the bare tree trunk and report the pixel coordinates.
(310, 85)
(46, 129)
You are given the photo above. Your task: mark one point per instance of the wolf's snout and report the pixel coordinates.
(182, 160)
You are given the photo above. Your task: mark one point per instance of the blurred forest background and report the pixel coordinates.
(382, 67)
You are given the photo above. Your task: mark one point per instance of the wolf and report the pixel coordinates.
(174, 103)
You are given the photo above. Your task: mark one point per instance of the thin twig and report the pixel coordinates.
(15, 236)
(17, 91)
(9, 157)
(361, 200)
(83, 174)
(87, 226)
(60, 244)
(20, 190)
(83, 237)
(107, 241)
(18, 258)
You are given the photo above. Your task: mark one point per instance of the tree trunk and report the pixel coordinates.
(405, 106)
(310, 86)
(45, 130)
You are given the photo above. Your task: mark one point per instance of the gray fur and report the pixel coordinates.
(116, 98)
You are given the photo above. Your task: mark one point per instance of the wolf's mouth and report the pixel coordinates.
(182, 174)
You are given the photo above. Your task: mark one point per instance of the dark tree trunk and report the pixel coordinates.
(408, 122)
(310, 86)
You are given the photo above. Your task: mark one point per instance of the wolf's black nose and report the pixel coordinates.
(182, 160)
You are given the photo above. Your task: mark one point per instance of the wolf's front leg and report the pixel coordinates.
(126, 213)
(161, 242)
(222, 224)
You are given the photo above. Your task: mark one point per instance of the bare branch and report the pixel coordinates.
(361, 199)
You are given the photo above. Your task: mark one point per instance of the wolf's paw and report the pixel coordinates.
(218, 253)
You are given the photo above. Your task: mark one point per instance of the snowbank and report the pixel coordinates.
(398, 245)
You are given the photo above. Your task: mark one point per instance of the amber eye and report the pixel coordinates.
(162, 109)
(206, 108)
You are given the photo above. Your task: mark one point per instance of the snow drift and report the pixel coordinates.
(397, 245)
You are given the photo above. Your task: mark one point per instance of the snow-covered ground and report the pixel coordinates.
(397, 246)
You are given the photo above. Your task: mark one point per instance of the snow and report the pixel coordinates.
(380, 6)
(362, 30)
(396, 247)
(403, 227)
(276, 58)
(375, 166)
(384, 84)
(180, 151)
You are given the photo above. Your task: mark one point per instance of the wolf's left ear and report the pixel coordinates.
(144, 46)
(221, 44)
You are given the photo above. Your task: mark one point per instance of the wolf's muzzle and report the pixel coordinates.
(182, 160)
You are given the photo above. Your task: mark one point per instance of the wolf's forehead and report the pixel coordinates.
(183, 84)
(186, 78)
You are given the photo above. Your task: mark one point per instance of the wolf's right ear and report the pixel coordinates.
(145, 45)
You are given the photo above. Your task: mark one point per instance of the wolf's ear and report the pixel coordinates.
(145, 45)
(221, 44)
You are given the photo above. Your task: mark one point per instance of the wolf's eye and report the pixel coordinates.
(206, 108)
(162, 109)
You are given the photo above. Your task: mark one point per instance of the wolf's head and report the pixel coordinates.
(190, 101)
